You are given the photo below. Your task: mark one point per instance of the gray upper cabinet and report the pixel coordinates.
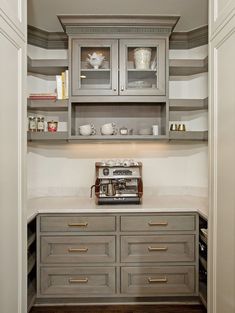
(125, 67)
(94, 67)
(142, 67)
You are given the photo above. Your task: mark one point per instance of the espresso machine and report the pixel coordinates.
(118, 182)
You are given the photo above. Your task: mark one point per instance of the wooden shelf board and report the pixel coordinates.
(47, 66)
(31, 262)
(203, 238)
(118, 137)
(44, 136)
(188, 135)
(31, 239)
(31, 294)
(137, 70)
(203, 293)
(203, 262)
(187, 67)
(47, 105)
(94, 70)
(188, 104)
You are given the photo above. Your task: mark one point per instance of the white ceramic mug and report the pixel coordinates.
(155, 130)
(87, 130)
(108, 129)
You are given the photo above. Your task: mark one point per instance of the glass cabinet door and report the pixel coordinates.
(142, 67)
(94, 67)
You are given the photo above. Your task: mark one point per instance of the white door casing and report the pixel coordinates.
(13, 221)
(222, 156)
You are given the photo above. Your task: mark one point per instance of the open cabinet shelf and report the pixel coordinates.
(189, 135)
(188, 67)
(188, 104)
(44, 136)
(47, 105)
(47, 66)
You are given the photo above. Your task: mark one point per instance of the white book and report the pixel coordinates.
(66, 84)
(59, 87)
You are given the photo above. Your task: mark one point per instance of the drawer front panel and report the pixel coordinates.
(158, 223)
(160, 248)
(77, 281)
(77, 249)
(165, 281)
(77, 223)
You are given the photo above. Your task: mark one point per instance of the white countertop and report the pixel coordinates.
(161, 204)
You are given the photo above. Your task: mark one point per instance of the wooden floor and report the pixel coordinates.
(122, 309)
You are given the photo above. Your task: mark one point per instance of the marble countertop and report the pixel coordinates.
(153, 204)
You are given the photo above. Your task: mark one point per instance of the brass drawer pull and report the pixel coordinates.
(157, 280)
(157, 248)
(78, 225)
(78, 281)
(158, 223)
(77, 249)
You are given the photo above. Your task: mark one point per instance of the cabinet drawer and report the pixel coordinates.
(77, 281)
(164, 281)
(77, 223)
(77, 249)
(161, 248)
(157, 222)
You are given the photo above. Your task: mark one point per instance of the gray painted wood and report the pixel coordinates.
(45, 136)
(188, 104)
(77, 249)
(158, 223)
(187, 67)
(77, 223)
(47, 105)
(47, 66)
(188, 135)
(53, 276)
(59, 40)
(188, 40)
(117, 23)
(159, 248)
(77, 281)
(175, 280)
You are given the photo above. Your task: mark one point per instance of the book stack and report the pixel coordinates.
(43, 96)
(62, 85)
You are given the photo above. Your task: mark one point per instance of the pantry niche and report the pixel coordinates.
(119, 73)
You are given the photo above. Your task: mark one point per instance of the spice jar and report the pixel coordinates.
(40, 124)
(52, 126)
(32, 124)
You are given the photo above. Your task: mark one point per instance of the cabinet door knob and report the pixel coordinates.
(122, 88)
(114, 89)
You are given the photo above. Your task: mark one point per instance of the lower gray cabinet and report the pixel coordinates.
(167, 280)
(77, 281)
(116, 255)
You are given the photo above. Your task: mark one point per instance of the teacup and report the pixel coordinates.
(87, 130)
(108, 129)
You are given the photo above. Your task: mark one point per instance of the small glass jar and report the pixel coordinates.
(40, 124)
(52, 126)
(32, 124)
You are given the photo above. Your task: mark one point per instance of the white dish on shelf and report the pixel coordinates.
(139, 84)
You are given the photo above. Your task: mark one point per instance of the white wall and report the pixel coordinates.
(168, 167)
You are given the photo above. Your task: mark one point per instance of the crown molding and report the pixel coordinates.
(59, 40)
(188, 40)
(47, 40)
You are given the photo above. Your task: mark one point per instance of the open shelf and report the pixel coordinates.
(203, 293)
(31, 294)
(47, 66)
(188, 135)
(44, 136)
(47, 105)
(188, 104)
(203, 262)
(187, 67)
(119, 137)
(31, 239)
(31, 262)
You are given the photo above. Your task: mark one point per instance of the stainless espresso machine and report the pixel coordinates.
(118, 182)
